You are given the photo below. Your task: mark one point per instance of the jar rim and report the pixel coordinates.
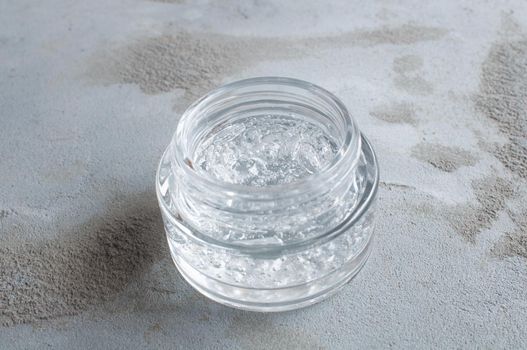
(349, 149)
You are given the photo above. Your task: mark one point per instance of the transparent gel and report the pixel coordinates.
(267, 192)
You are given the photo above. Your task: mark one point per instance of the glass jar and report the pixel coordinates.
(267, 194)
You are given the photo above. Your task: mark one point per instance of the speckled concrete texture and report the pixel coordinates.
(90, 93)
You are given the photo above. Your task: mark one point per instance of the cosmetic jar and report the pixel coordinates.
(267, 194)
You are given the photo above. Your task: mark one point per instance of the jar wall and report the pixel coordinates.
(271, 281)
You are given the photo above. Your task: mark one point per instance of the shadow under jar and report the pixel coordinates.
(267, 194)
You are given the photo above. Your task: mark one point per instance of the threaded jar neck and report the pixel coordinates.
(235, 204)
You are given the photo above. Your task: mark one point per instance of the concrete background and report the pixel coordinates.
(90, 92)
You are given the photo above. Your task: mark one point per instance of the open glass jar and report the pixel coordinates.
(267, 194)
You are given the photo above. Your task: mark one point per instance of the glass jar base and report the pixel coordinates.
(273, 299)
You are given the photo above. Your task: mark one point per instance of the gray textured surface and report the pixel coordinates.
(89, 96)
